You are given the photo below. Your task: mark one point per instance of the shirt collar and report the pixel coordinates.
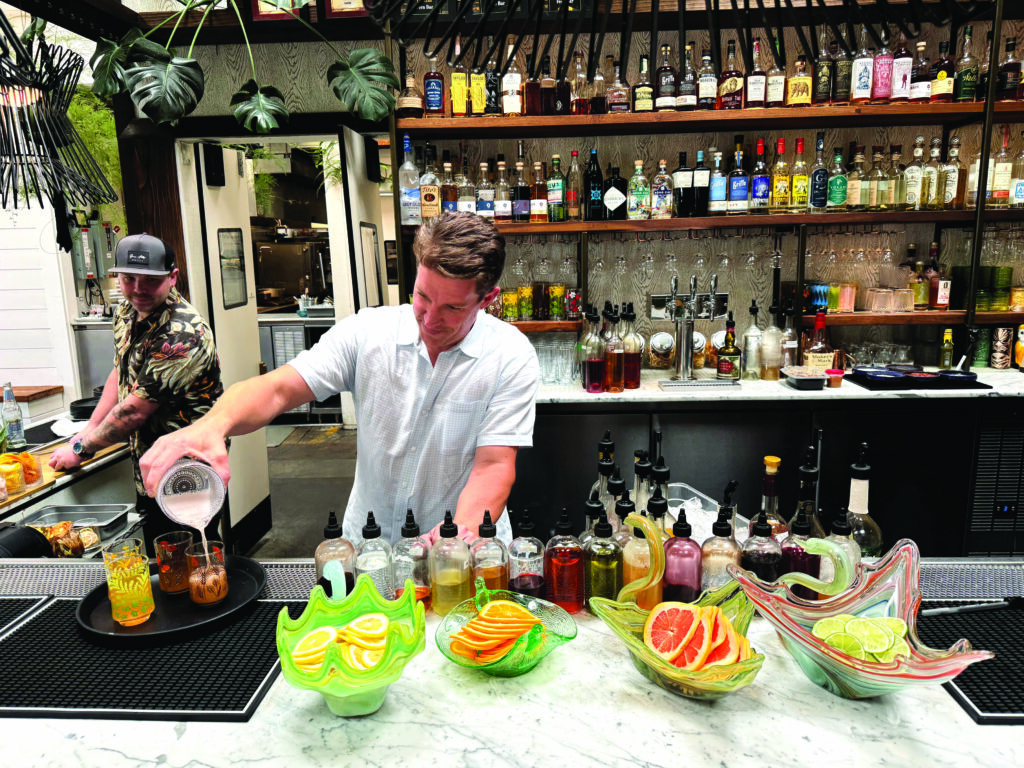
(473, 345)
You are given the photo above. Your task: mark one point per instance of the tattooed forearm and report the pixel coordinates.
(123, 419)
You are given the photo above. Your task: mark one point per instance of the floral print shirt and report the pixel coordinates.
(168, 358)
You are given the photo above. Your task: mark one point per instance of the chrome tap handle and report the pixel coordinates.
(693, 297)
(714, 289)
(672, 313)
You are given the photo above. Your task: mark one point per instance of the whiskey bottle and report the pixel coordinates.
(798, 87)
(599, 93)
(686, 93)
(547, 88)
(531, 90)
(430, 186)
(538, 198)
(730, 82)
(580, 88)
(707, 83)
(1009, 81)
(410, 101)
(981, 93)
(467, 190)
(823, 67)
(477, 92)
(618, 93)
(921, 77)
(756, 81)
(965, 82)
(1002, 164)
(729, 355)
(842, 75)
(521, 194)
(433, 87)
(775, 95)
(943, 73)
(492, 88)
(666, 86)
(902, 71)
(819, 353)
(459, 86)
(643, 91)
(863, 67)
(511, 87)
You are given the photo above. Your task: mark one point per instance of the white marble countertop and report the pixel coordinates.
(584, 705)
(1004, 384)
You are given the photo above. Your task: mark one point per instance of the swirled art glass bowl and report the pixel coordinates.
(556, 627)
(350, 691)
(627, 621)
(889, 587)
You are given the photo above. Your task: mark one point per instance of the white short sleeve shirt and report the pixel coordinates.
(419, 425)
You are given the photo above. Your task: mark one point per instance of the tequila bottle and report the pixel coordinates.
(467, 190)
(897, 180)
(933, 179)
(856, 199)
(739, 188)
(760, 182)
(837, 183)
(502, 196)
(914, 173)
(877, 181)
(485, 192)
(863, 67)
(638, 197)
(801, 181)
(780, 195)
(956, 178)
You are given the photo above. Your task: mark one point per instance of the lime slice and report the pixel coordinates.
(846, 643)
(899, 648)
(897, 626)
(829, 626)
(873, 636)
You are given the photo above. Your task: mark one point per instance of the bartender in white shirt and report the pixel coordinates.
(444, 393)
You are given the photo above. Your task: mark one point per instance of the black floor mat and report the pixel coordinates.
(13, 608)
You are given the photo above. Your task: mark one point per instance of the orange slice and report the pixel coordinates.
(506, 609)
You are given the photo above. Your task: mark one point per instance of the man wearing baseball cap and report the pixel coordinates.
(166, 373)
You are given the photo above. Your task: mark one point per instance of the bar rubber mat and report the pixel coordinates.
(992, 691)
(50, 670)
(13, 608)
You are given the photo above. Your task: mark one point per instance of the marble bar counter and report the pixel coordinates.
(584, 705)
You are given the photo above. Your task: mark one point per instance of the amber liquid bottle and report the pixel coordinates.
(564, 567)
(531, 93)
(538, 197)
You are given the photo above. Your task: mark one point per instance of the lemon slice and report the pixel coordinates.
(369, 643)
(370, 626)
(314, 643)
(873, 636)
(846, 643)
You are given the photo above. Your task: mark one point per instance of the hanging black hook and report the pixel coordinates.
(594, 53)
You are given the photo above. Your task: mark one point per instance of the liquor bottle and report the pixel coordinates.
(661, 193)
(538, 197)
(780, 195)
(878, 181)
(547, 88)
(730, 82)
(939, 286)
(409, 186)
(756, 81)
(771, 350)
(1009, 80)
(837, 183)
(574, 190)
(614, 356)
(563, 95)
(614, 197)
(760, 182)
(433, 88)
(701, 186)
(430, 186)
(451, 571)
(718, 190)
(531, 90)
(790, 339)
(982, 91)
(819, 353)
(863, 67)
(807, 496)
(686, 86)
(599, 93)
(511, 86)
(729, 355)
(965, 82)
(638, 196)
(972, 181)
(897, 180)
(1017, 181)
(449, 190)
(933, 178)
(770, 513)
(632, 348)
(564, 573)
(943, 72)
(842, 76)
(707, 83)
(593, 190)
(739, 188)
(956, 179)
(881, 75)
(1002, 165)
(580, 87)
(485, 192)
(502, 196)
(775, 86)
(521, 194)
(856, 183)
(902, 71)
(801, 181)
(864, 529)
(817, 197)
(682, 189)
(526, 560)
(914, 173)
(477, 92)
(643, 91)
(467, 190)
(920, 285)
(946, 351)
(10, 417)
(821, 91)
(556, 191)
(618, 93)
(541, 287)
(921, 77)
(459, 89)
(750, 361)
(492, 86)
(665, 82)
(410, 101)
(798, 87)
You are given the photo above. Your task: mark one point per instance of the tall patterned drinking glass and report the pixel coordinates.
(128, 585)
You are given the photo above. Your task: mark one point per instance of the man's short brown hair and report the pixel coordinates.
(463, 246)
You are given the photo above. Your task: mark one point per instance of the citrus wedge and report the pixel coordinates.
(669, 628)
(369, 625)
(724, 650)
(315, 643)
(697, 648)
(506, 609)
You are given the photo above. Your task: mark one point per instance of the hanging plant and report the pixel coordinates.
(167, 87)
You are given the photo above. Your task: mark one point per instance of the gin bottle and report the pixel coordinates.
(638, 196)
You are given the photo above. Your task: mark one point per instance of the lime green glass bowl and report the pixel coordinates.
(557, 628)
(889, 587)
(348, 691)
(627, 621)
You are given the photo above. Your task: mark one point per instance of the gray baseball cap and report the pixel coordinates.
(143, 255)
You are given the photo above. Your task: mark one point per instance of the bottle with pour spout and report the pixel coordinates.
(761, 553)
(807, 498)
(605, 452)
(593, 509)
(865, 530)
(526, 561)
(334, 547)
(718, 551)
(451, 568)
(641, 481)
(659, 483)
(602, 562)
(624, 507)
(796, 559)
(657, 510)
(411, 556)
(682, 564)
(490, 557)
(563, 567)
(770, 498)
(374, 558)
(636, 562)
(616, 487)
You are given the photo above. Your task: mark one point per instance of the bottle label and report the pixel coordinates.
(460, 93)
(511, 100)
(942, 297)
(966, 84)
(780, 190)
(707, 88)
(823, 82)
(818, 194)
(776, 89)
(902, 70)
(820, 360)
(638, 203)
(434, 91)
(502, 209)
(613, 199)
(430, 201)
(618, 105)
(701, 177)
(449, 206)
(682, 179)
(521, 208)
(1001, 181)
(952, 182)
(801, 191)
(538, 207)
(728, 366)
(731, 93)
(738, 190)
(1008, 80)
(853, 191)
(410, 204)
(942, 83)
(492, 92)
(719, 189)
(643, 99)
(666, 91)
(870, 191)
(881, 85)
(485, 208)
(1017, 192)
(913, 174)
(410, 102)
(799, 90)
(687, 96)
(661, 202)
(841, 80)
(760, 191)
(837, 191)
(756, 85)
(477, 93)
(921, 91)
(862, 78)
(555, 193)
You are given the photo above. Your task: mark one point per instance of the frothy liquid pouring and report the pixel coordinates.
(194, 509)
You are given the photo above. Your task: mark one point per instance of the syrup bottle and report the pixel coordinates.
(807, 497)
(718, 551)
(657, 510)
(682, 564)
(602, 558)
(636, 562)
(770, 498)
(334, 547)
(865, 530)
(624, 507)
(761, 553)
(795, 559)
(616, 487)
(374, 558)
(526, 561)
(594, 508)
(641, 481)
(563, 567)
(841, 534)
(411, 554)
(490, 557)
(659, 482)
(451, 571)
(605, 451)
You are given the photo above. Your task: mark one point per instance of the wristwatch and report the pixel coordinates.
(78, 448)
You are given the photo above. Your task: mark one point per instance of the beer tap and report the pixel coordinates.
(684, 328)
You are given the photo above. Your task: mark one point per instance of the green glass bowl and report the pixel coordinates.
(627, 622)
(558, 627)
(350, 692)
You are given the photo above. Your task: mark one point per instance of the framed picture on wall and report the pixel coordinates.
(336, 9)
(266, 11)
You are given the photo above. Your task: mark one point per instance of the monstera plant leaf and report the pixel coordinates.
(259, 109)
(360, 82)
(109, 62)
(166, 88)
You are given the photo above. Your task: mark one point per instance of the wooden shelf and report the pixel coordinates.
(707, 121)
(545, 326)
(992, 318)
(950, 317)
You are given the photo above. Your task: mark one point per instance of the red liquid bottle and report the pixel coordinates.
(563, 567)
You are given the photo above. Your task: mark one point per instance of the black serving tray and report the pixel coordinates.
(175, 617)
(912, 382)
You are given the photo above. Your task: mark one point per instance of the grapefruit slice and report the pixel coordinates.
(728, 650)
(669, 627)
(697, 648)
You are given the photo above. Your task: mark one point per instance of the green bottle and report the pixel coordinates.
(602, 558)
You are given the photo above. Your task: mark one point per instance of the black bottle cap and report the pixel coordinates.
(642, 468)
(681, 528)
(448, 529)
(628, 315)
(563, 527)
(753, 308)
(593, 507)
(762, 527)
(333, 528)
(809, 469)
(486, 529)
(371, 530)
(615, 170)
(660, 472)
(723, 525)
(639, 532)
(729, 322)
(801, 526)
(616, 485)
(605, 466)
(411, 527)
(860, 469)
(602, 528)
(840, 525)
(605, 446)
(657, 505)
(624, 507)
(525, 525)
